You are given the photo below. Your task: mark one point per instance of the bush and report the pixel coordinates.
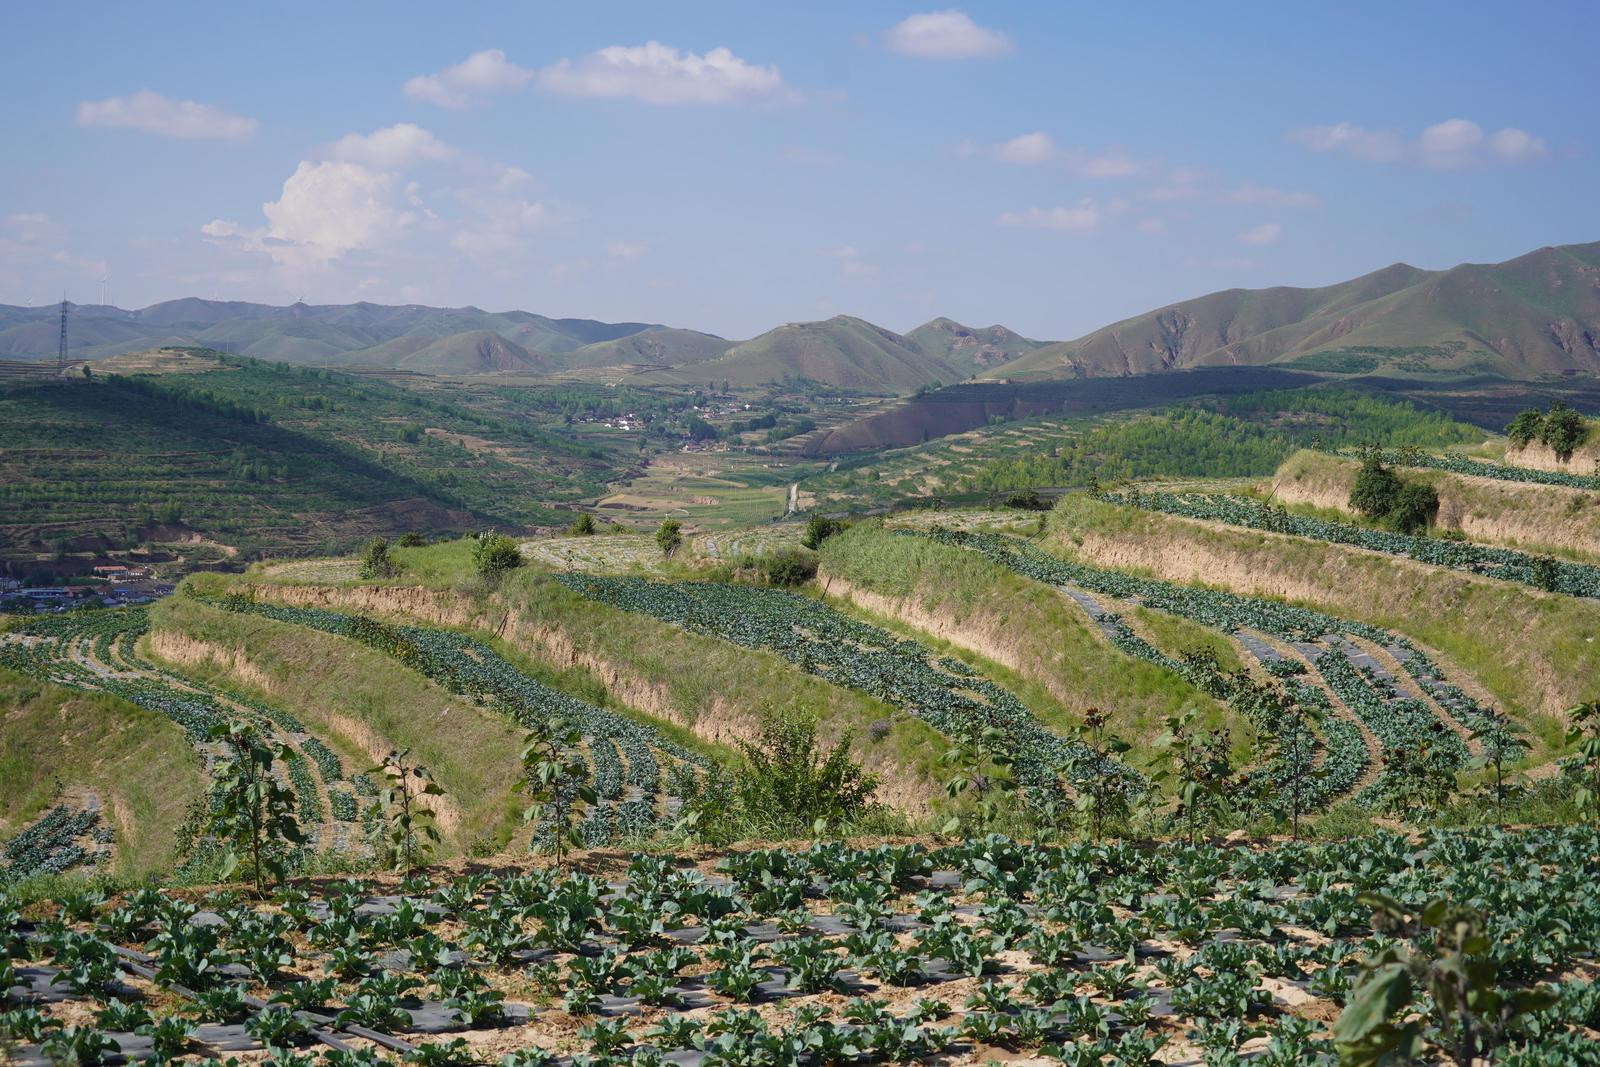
(1525, 427)
(1377, 488)
(1414, 508)
(819, 530)
(582, 526)
(376, 561)
(790, 783)
(1563, 430)
(494, 554)
(410, 539)
(788, 568)
(669, 535)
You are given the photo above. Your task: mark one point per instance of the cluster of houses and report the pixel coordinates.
(118, 585)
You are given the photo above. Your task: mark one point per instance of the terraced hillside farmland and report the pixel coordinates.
(261, 456)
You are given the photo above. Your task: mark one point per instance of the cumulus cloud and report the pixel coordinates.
(153, 113)
(659, 74)
(1081, 218)
(400, 145)
(325, 211)
(1265, 234)
(479, 75)
(1449, 144)
(948, 34)
(1037, 148)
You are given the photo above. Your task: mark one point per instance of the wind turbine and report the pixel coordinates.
(103, 276)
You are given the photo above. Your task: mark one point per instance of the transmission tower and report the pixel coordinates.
(61, 352)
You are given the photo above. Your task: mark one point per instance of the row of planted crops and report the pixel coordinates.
(1559, 576)
(1456, 463)
(1401, 723)
(984, 950)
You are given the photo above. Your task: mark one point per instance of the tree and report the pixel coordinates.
(1292, 752)
(1500, 744)
(554, 777)
(376, 561)
(582, 526)
(669, 535)
(493, 554)
(1102, 796)
(818, 530)
(1377, 487)
(1585, 738)
(252, 812)
(1414, 507)
(788, 568)
(1563, 430)
(1525, 427)
(405, 824)
(1196, 761)
(982, 760)
(1442, 952)
(1416, 777)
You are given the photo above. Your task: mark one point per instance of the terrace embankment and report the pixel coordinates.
(1462, 621)
(1541, 518)
(55, 740)
(361, 704)
(713, 692)
(1022, 625)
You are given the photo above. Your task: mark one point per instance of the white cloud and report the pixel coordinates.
(1085, 216)
(659, 74)
(475, 77)
(946, 34)
(400, 145)
(1151, 227)
(500, 227)
(1267, 196)
(1193, 185)
(325, 211)
(627, 251)
(850, 262)
(154, 113)
(1034, 149)
(1453, 143)
(27, 218)
(1265, 234)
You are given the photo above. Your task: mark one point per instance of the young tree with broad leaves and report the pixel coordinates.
(253, 813)
(406, 825)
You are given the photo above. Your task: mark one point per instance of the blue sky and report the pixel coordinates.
(729, 166)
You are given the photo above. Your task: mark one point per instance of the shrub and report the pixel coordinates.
(376, 561)
(788, 568)
(1414, 508)
(410, 539)
(819, 530)
(789, 782)
(1525, 427)
(1563, 430)
(1377, 488)
(582, 526)
(494, 554)
(669, 535)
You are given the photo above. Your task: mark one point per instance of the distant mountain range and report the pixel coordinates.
(1533, 316)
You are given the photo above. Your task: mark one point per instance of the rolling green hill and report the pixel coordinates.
(841, 351)
(467, 352)
(1538, 314)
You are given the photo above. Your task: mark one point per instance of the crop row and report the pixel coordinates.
(1456, 463)
(49, 845)
(1574, 579)
(1094, 950)
(830, 645)
(465, 665)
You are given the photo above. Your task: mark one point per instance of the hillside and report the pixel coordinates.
(974, 347)
(657, 345)
(841, 351)
(468, 352)
(1538, 314)
(299, 333)
(262, 457)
